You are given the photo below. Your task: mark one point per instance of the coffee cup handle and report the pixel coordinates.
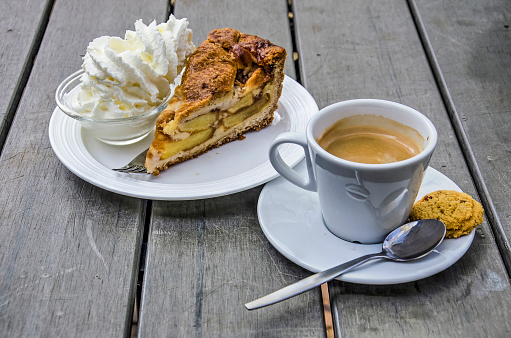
(307, 183)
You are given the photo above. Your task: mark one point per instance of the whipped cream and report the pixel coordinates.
(126, 77)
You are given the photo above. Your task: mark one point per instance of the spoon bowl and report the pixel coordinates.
(413, 240)
(408, 242)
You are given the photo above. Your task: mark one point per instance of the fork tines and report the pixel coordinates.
(136, 165)
(132, 169)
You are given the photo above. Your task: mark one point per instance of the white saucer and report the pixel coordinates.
(234, 167)
(292, 222)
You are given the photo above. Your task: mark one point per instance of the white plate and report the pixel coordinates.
(231, 168)
(292, 222)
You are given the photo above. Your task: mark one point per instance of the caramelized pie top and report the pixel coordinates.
(226, 57)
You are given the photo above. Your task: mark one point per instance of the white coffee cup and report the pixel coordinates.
(360, 202)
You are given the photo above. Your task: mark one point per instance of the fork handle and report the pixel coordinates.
(310, 282)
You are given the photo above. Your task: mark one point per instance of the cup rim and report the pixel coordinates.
(423, 155)
(64, 88)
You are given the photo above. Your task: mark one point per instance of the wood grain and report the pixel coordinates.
(207, 258)
(20, 35)
(372, 50)
(70, 251)
(471, 43)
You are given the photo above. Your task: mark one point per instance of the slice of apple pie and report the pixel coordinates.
(231, 85)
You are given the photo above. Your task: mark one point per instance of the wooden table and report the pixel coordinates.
(73, 255)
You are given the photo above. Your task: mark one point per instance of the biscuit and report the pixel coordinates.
(458, 211)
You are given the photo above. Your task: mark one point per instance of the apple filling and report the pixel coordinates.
(245, 112)
(196, 131)
(194, 139)
(199, 123)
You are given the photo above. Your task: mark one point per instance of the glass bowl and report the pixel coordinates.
(119, 131)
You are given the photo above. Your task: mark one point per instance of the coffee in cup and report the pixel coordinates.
(371, 139)
(362, 202)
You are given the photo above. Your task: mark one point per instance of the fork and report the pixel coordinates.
(137, 165)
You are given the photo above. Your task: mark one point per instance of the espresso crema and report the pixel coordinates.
(371, 139)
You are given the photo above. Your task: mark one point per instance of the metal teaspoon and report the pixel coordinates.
(408, 242)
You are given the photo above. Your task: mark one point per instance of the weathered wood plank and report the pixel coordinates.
(207, 258)
(372, 50)
(19, 33)
(471, 44)
(69, 253)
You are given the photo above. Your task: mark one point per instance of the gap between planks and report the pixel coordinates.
(475, 173)
(325, 294)
(12, 107)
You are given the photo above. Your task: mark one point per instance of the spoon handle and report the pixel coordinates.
(310, 282)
